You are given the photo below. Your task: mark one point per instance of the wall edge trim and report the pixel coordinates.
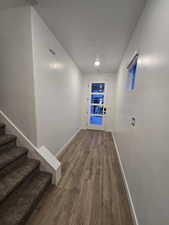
(131, 203)
(61, 150)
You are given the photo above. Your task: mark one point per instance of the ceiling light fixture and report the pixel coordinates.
(97, 63)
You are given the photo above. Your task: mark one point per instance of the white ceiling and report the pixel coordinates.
(87, 28)
(90, 28)
(5, 4)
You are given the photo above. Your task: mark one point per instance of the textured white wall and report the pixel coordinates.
(145, 149)
(110, 79)
(57, 88)
(16, 70)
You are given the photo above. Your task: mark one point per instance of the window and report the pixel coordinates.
(132, 70)
(97, 99)
(96, 120)
(97, 87)
(96, 109)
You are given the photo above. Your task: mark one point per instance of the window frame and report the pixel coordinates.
(132, 72)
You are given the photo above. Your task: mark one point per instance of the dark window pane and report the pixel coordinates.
(132, 76)
(96, 120)
(98, 87)
(97, 99)
(96, 109)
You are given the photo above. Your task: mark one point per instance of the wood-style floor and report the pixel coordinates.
(91, 191)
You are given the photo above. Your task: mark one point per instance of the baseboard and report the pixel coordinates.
(132, 208)
(48, 161)
(61, 150)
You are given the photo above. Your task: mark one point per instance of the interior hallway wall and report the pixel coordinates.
(16, 69)
(110, 79)
(58, 85)
(144, 149)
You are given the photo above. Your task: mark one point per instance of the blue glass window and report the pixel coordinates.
(132, 76)
(98, 87)
(96, 109)
(96, 120)
(97, 99)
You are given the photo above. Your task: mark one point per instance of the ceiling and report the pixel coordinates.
(5, 4)
(90, 28)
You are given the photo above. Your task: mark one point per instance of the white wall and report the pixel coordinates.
(144, 149)
(16, 69)
(57, 88)
(110, 79)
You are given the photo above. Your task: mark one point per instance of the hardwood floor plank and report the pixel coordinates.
(91, 191)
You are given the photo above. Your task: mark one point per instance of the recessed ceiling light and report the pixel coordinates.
(97, 63)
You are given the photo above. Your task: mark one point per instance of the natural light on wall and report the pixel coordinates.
(56, 66)
(152, 60)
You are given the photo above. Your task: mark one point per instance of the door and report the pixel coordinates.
(97, 105)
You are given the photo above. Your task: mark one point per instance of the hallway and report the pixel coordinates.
(91, 190)
(84, 113)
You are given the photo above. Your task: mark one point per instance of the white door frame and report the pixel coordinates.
(91, 126)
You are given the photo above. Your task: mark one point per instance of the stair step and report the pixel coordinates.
(9, 156)
(2, 128)
(13, 179)
(20, 204)
(7, 141)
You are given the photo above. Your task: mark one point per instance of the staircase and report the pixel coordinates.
(22, 184)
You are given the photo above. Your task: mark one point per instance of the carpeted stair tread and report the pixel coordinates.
(2, 125)
(13, 179)
(17, 208)
(21, 181)
(2, 128)
(9, 156)
(7, 138)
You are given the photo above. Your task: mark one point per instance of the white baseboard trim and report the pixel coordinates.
(48, 161)
(67, 143)
(133, 211)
